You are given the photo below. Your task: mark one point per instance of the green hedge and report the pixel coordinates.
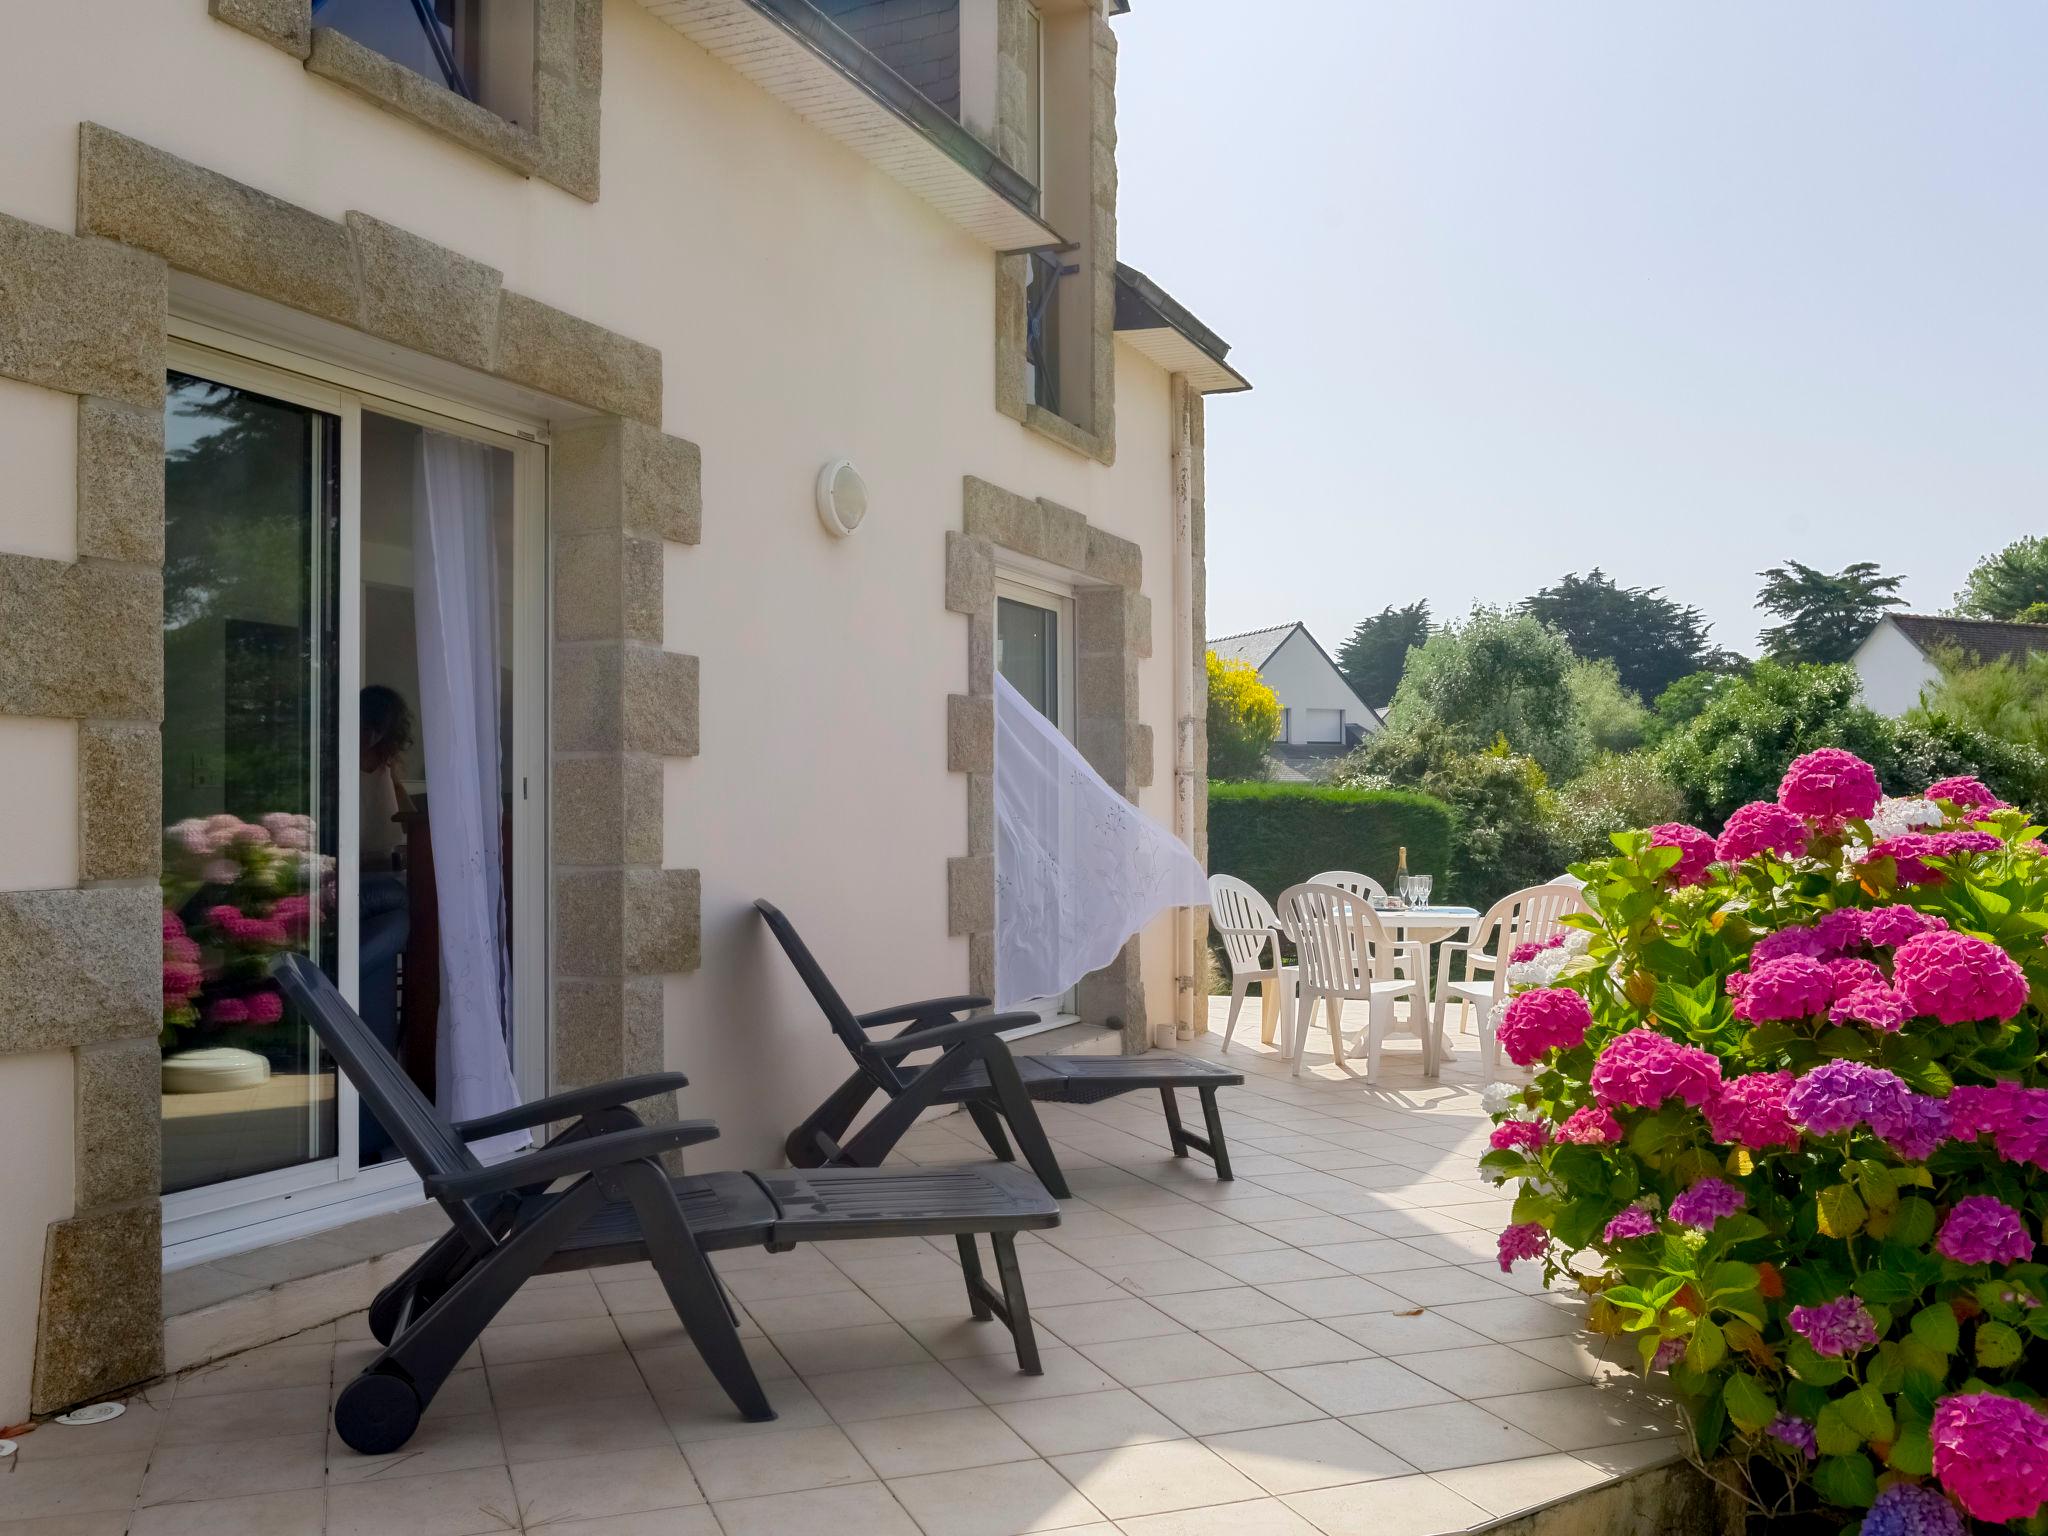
(1277, 835)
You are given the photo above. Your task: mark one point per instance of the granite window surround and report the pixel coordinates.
(562, 145)
(80, 967)
(1113, 632)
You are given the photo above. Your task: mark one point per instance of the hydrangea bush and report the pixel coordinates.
(1788, 1126)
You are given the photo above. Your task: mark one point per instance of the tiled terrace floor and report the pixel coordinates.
(1325, 1345)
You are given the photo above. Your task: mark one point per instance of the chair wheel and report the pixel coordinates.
(383, 1320)
(376, 1413)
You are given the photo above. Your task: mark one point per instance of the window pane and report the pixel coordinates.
(251, 532)
(1027, 653)
(482, 49)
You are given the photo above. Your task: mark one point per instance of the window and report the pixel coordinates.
(1325, 725)
(353, 770)
(1034, 99)
(480, 49)
(1286, 725)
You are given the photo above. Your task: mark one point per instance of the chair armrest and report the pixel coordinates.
(951, 1034)
(562, 1158)
(570, 1103)
(905, 1013)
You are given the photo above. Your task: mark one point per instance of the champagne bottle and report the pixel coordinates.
(1401, 866)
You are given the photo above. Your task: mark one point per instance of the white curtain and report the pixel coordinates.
(1079, 869)
(455, 594)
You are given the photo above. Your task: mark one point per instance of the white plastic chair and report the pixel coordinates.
(1526, 917)
(1247, 927)
(1343, 952)
(1411, 955)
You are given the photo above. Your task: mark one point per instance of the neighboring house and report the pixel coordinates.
(430, 449)
(1897, 659)
(1320, 716)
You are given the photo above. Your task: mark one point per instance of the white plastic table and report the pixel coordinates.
(1424, 927)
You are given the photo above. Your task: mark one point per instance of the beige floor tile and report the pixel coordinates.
(1508, 1487)
(956, 1338)
(648, 1295)
(1410, 1331)
(1097, 1322)
(471, 1503)
(1064, 1288)
(1339, 1297)
(1361, 1386)
(135, 1431)
(1292, 1458)
(753, 1465)
(1150, 1479)
(1440, 1436)
(1486, 1370)
(543, 1431)
(1217, 1405)
(240, 1416)
(1512, 1319)
(1632, 1456)
(1005, 1500)
(706, 1413)
(299, 1513)
(803, 1273)
(275, 1365)
(1174, 1215)
(443, 1443)
(613, 1483)
(1373, 1256)
(1274, 1266)
(1441, 1285)
(1395, 1506)
(680, 1366)
(924, 1267)
(942, 1301)
(948, 1441)
(864, 1509)
(996, 1379)
(516, 1343)
(1583, 1356)
(1260, 1517)
(574, 1379)
(71, 1485)
(1090, 1421)
(1275, 1346)
(866, 1347)
(848, 1308)
(1207, 1242)
(1179, 1357)
(1170, 1277)
(544, 1304)
(1100, 1253)
(696, 1520)
(1576, 1418)
(1240, 1306)
(225, 1470)
(890, 1390)
(1317, 1231)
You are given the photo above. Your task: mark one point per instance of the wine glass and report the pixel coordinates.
(1422, 885)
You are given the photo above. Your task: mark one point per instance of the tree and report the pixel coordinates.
(1614, 718)
(2009, 584)
(1497, 676)
(1682, 702)
(2005, 698)
(1244, 717)
(1652, 640)
(1825, 617)
(1372, 658)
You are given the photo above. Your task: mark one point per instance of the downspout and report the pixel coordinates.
(1187, 998)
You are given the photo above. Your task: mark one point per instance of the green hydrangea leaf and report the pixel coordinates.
(1708, 1348)
(1837, 1436)
(1749, 1402)
(1881, 1285)
(1997, 1346)
(1818, 1370)
(1848, 1481)
(1913, 1222)
(1912, 1453)
(1935, 1327)
(1842, 1212)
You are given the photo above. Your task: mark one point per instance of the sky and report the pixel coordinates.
(1680, 290)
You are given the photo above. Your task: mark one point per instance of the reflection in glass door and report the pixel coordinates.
(1034, 653)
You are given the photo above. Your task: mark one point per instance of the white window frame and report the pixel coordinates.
(251, 1212)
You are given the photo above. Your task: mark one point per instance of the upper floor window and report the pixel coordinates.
(1034, 97)
(480, 49)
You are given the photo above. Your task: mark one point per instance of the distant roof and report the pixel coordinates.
(1254, 646)
(1166, 330)
(1981, 639)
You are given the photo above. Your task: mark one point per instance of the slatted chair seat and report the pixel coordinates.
(516, 1219)
(975, 1069)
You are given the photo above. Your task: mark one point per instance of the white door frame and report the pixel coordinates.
(251, 1212)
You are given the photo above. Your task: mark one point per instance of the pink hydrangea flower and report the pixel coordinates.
(1749, 1111)
(1541, 1019)
(1522, 954)
(1835, 1328)
(1830, 786)
(1761, 827)
(1958, 979)
(1706, 1203)
(227, 1010)
(181, 982)
(1593, 1125)
(1991, 1454)
(2014, 1117)
(1644, 1068)
(173, 927)
(265, 1007)
(1519, 1136)
(1889, 927)
(1984, 1230)
(1847, 973)
(1792, 988)
(1695, 851)
(1841, 929)
(1880, 1007)
(1526, 1240)
(1807, 942)
(1908, 852)
(1630, 1221)
(1971, 794)
(1841, 1095)
(222, 872)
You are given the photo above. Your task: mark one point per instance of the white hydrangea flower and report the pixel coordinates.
(1577, 941)
(1896, 816)
(1498, 1098)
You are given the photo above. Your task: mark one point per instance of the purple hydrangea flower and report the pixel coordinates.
(1914, 1127)
(1838, 1327)
(1840, 1095)
(1790, 1430)
(1912, 1509)
(1630, 1221)
(1984, 1230)
(1706, 1203)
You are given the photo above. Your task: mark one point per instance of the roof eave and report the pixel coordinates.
(1162, 328)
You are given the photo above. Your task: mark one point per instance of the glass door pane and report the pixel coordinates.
(252, 544)
(1028, 653)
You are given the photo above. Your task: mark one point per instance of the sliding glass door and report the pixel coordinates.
(354, 648)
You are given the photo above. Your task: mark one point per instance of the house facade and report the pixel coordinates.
(1321, 716)
(431, 443)
(1899, 658)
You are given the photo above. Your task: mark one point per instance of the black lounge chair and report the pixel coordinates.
(510, 1224)
(976, 1070)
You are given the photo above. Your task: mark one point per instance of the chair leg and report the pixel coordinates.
(1431, 1065)
(970, 1267)
(1174, 1134)
(990, 1124)
(1333, 1010)
(1219, 1150)
(1018, 1109)
(692, 1287)
(1304, 1008)
(1489, 1048)
(1378, 1017)
(1238, 987)
(1018, 1310)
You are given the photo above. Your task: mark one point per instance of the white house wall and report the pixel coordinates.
(1305, 680)
(1893, 671)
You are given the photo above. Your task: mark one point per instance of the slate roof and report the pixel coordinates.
(1981, 639)
(1255, 646)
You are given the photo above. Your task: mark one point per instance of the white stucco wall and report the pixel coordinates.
(806, 308)
(1305, 680)
(1893, 670)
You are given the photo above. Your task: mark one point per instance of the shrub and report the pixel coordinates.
(1276, 835)
(1496, 675)
(1616, 794)
(1787, 1126)
(1613, 718)
(1244, 717)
